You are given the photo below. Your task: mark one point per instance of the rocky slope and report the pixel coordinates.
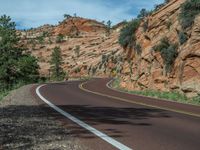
(148, 68)
(100, 54)
(84, 42)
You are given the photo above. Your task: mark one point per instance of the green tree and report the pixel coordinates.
(75, 15)
(28, 69)
(109, 23)
(127, 34)
(67, 16)
(56, 62)
(12, 57)
(143, 13)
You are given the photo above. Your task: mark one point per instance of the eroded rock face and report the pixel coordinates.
(90, 35)
(190, 62)
(185, 76)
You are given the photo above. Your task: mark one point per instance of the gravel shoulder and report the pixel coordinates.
(26, 124)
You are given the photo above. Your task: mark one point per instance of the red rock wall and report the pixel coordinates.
(148, 72)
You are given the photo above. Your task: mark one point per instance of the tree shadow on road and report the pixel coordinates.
(33, 127)
(115, 115)
(23, 127)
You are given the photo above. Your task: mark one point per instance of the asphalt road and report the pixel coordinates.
(139, 123)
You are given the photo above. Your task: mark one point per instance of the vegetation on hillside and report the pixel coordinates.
(60, 38)
(168, 52)
(67, 16)
(189, 10)
(77, 50)
(108, 27)
(56, 62)
(127, 37)
(143, 13)
(182, 37)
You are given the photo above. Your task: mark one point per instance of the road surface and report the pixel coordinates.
(107, 119)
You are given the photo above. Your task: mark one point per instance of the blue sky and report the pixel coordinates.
(34, 13)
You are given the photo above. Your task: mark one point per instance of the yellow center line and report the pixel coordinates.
(138, 103)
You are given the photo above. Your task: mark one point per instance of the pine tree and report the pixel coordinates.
(56, 62)
(67, 16)
(109, 23)
(143, 13)
(11, 56)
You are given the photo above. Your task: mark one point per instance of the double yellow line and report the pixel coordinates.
(138, 103)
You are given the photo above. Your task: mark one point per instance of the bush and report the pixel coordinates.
(145, 26)
(40, 39)
(67, 16)
(45, 34)
(143, 13)
(168, 53)
(127, 35)
(158, 6)
(182, 37)
(89, 69)
(189, 10)
(59, 38)
(77, 70)
(168, 24)
(104, 58)
(138, 49)
(164, 43)
(94, 69)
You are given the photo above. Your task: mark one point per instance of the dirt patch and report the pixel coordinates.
(27, 125)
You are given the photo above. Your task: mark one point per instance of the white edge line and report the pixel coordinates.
(101, 135)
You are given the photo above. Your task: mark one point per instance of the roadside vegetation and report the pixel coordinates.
(171, 96)
(5, 90)
(16, 66)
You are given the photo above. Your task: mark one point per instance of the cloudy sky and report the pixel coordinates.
(33, 13)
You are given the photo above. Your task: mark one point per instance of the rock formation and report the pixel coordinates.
(99, 54)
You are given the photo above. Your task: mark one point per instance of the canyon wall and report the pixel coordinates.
(148, 69)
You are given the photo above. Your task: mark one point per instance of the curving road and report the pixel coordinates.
(107, 119)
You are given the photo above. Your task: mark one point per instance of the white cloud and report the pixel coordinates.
(33, 13)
